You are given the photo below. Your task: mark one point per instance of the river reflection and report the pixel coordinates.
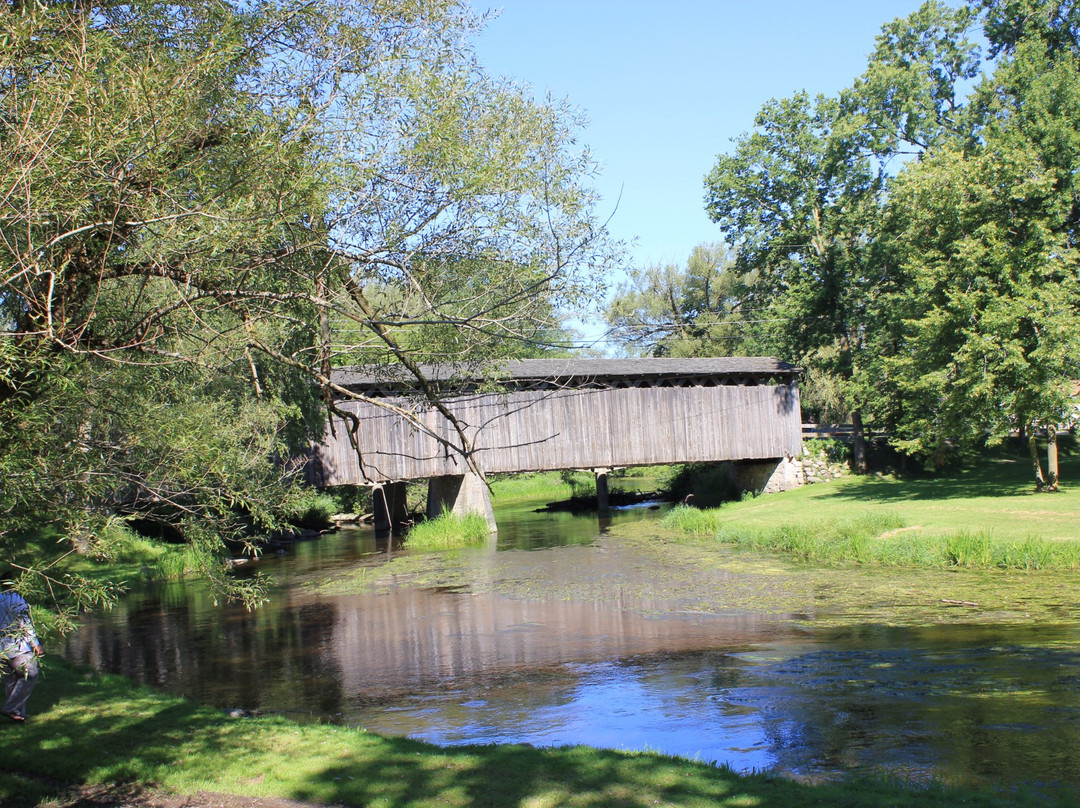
(463, 665)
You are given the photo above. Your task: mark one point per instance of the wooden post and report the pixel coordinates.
(390, 506)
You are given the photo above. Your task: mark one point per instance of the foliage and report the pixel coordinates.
(510, 487)
(313, 510)
(448, 530)
(355, 499)
(704, 484)
(684, 311)
(581, 483)
(989, 265)
(913, 240)
(837, 451)
(800, 205)
(204, 207)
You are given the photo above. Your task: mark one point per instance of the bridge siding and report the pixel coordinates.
(544, 430)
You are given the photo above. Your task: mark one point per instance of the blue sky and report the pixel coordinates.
(667, 84)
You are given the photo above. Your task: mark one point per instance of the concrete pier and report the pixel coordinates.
(460, 494)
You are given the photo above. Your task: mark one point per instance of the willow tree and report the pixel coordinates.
(205, 206)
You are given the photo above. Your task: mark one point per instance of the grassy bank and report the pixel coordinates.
(88, 729)
(985, 517)
(551, 486)
(555, 486)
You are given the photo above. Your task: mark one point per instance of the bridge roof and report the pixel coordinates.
(569, 371)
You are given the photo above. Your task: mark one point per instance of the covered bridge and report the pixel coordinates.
(554, 414)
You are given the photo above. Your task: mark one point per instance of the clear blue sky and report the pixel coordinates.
(667, 84)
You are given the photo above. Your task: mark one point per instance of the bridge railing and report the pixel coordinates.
(838, 431)
(843, 432)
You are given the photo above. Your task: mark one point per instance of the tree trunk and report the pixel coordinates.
(1051, 459)
(1033, 448)
(858, 443)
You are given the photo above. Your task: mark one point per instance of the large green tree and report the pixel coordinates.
(800, 206)
(915, 237)
(205, 206)
(988, 271)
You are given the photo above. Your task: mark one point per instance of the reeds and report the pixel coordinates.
(447, 531)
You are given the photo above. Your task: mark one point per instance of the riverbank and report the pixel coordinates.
(103, 736)
(983, 517)
(89, 731)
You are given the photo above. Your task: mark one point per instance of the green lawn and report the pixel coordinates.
(88, 729)
(987, 515)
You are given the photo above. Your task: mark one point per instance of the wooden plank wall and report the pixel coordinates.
(544, 430)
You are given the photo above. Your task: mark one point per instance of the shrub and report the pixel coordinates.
(313, 510)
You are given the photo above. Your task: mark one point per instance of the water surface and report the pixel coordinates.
(587, 642)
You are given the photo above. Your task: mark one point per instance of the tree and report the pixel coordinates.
(205, 206)
(990, 273)
(800, 207)
(916, 238)
(911, 96)
(684, 311)
(1056, 23)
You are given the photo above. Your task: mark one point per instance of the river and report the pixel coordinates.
(564, 632)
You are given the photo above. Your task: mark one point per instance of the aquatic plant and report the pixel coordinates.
(829, 540)
(448, 530)
(692, 520)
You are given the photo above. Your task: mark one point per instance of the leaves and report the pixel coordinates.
(205, 206)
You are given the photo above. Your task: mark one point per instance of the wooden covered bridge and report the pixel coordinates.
(555, 414)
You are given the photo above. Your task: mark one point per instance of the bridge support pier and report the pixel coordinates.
(765, 476)
(601, 490)
(390, 506)
(460, 494)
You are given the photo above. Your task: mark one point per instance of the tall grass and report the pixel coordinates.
(313, 509)
(694, 520)
(180, 561)
(827, 540)
(878, 538)
(981, 550)
(447, 531)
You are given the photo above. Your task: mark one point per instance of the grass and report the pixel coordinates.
(89, 729)
(447, 531)
(985, 517)
(552, 485)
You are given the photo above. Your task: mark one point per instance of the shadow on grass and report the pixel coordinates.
(92, 730)
(995, 475)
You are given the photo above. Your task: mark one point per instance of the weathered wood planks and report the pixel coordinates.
(602, 424)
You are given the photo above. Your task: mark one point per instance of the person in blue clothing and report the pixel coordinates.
(19, 650)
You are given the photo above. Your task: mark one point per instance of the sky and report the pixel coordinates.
(667, 84)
